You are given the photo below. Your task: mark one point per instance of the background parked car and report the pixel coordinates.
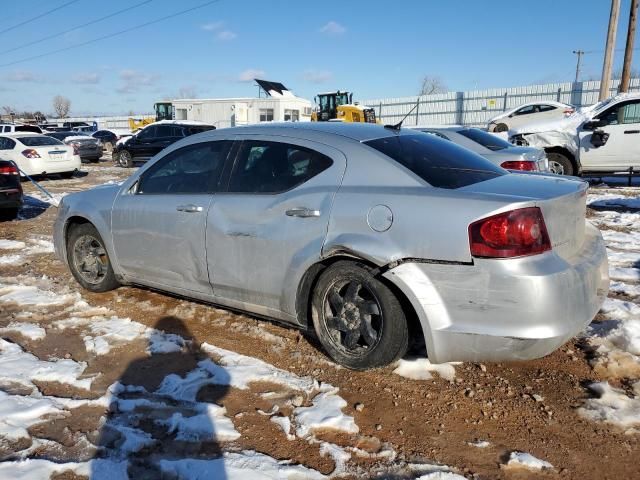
(493, 148)
(11, 196)
(154, 138)
(89, 148)
(109, 137)
(18, 127)
(532, 112)
(37, 154)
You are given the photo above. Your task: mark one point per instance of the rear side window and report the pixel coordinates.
(486, 139)
(438, 162)
(39, 141)
(6, 143)
(28, 128)
(546, 108)
(273, 167)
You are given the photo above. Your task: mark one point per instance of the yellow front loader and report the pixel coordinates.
(339, 107)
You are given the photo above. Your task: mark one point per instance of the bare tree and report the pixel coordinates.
(8, 109)
(432, 84)
(61, 105)
(187, 92)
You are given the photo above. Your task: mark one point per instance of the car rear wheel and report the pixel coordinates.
(559, 164)
(88, 259)
(501, 127)
(125, 159)
(357, 318)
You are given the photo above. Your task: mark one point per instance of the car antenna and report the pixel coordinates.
(398, 125)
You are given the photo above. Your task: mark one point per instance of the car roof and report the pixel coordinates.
(23, 134)
(355, 131)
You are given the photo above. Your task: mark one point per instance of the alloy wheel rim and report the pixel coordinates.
(353, 317)
(90, 259)
(556, 167)
(123, 158)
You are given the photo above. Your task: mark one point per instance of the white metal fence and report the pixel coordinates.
(476, 107)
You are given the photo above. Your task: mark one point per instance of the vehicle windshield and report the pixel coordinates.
(39, 141)
(440, 163)
(486, 139)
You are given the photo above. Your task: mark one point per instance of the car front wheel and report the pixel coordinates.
(88, 259)
(125, 159)
(357, 318)
(559, 164)
(501, 127)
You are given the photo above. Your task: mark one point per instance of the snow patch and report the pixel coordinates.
(421, 368)
(27, 330)
(12, 260)
(38, 469)
(613, 405)
(526, 460)
(17, 413)
(11, 244)
(31, 295)
(210, 424)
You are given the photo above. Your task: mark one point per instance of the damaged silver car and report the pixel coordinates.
(372, 236)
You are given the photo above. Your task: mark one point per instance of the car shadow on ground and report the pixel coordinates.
(32, 208)
(144, 427)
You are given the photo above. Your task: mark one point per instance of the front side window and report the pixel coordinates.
(526, 110)
(195, 169)
(39, 141)
(147, 133)
(622, 114)
(266, 114)
(440, 163)
(273, 167)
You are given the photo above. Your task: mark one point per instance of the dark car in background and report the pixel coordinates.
(11, 197)
(109, 138)
(153, 139)
(89, 148)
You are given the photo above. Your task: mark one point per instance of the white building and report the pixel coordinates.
(279, 105)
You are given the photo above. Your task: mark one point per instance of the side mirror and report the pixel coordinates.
(592, 125)
(599, 138)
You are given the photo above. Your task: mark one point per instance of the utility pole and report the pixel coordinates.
(579, 53)
(608, 54)
(628, 51)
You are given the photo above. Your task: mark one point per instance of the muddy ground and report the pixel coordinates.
(433, 421)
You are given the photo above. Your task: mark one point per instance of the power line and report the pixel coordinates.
(38, 16)
(92, 22)
(111, 35)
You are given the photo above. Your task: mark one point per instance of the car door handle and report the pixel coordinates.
(302, 212)
(631, 131)
(191, 208)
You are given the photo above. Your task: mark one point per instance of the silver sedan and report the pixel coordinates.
(493, 148)
(372, 236)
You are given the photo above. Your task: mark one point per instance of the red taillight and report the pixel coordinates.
(568, 112)
(520, 165)
(8, 170)
(30, 153)
(517, 233)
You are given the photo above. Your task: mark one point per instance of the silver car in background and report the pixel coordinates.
(370, 235)
(495, 149)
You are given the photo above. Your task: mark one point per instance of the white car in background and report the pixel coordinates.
(532, 112)
(37, 154)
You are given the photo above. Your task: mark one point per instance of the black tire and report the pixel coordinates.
(357, 318)
(88, 259)
(66, 174)
(501, 127)
(8, 213)
(560, 164)
(125, 159)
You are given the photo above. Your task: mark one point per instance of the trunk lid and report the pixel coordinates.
(55, 153)
(563, 202)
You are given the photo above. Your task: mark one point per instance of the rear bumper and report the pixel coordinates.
(11, 198)
(516, 309)
(38, 166)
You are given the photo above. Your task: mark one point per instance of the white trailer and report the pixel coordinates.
(279, 105)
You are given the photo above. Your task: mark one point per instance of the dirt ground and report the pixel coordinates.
(528, 407)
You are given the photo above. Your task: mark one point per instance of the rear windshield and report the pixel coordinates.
(440, 163)
(39, 141)
(28, 128)
(486, 139)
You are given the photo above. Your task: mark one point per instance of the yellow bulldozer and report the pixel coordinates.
(339, 107)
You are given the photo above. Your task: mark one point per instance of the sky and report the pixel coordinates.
(373, 48)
